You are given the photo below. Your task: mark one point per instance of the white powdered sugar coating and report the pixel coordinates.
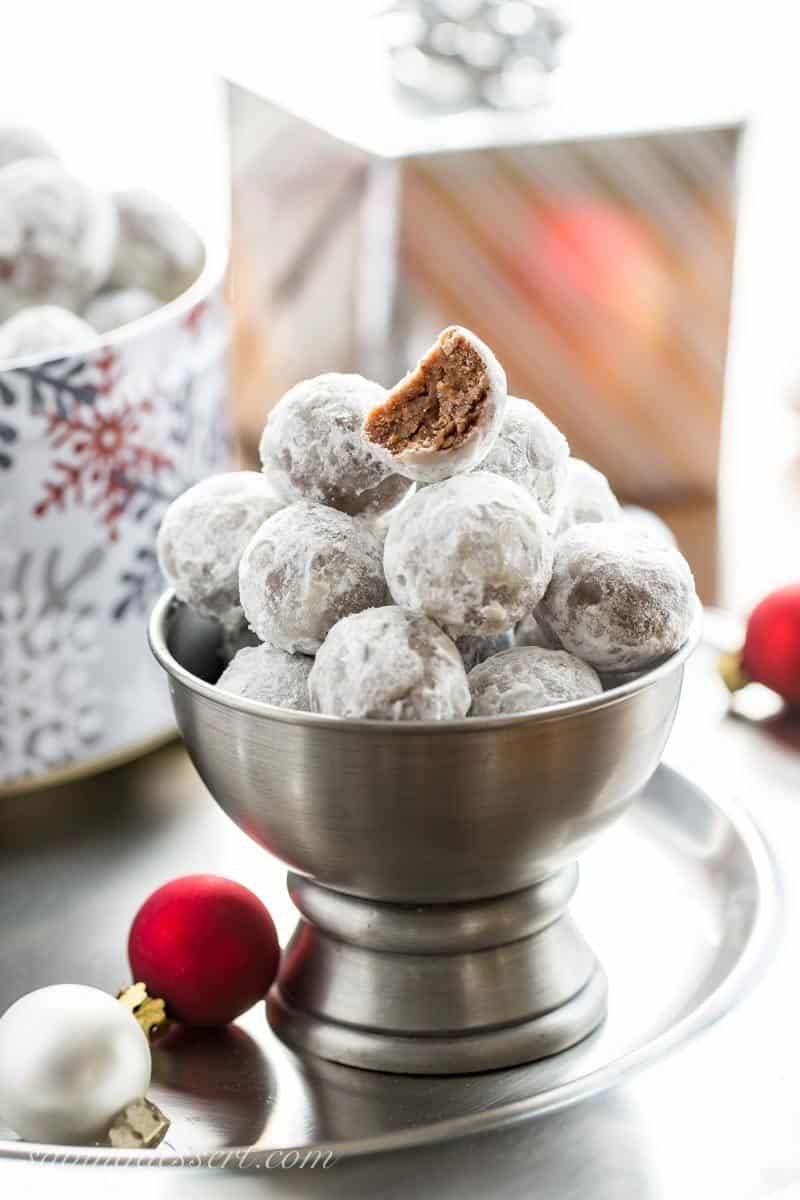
(586, 496)
(473, 553)
(110, 310)
(530, 451)
(157, 249)
(57, 236)
(389, 664)
(306, 568)
(648, 522)
(17, 141)
(312, 448)
(476, 648)
(530, 677)
(44, 329)
(270, 676)
(618, 599)
(429, 464)
(203, 535)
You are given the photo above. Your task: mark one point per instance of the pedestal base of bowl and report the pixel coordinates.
(437, 989)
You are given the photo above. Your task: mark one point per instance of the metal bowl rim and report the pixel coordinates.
(167, 602)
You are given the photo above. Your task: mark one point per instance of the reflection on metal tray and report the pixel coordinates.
(679, 901)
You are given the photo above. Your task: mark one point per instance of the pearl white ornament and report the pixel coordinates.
(71, 1057)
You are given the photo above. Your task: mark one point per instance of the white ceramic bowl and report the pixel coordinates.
(93, 448)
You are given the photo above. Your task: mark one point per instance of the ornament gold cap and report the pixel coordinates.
(733, 675)
(149, 1011)
(140, 1126)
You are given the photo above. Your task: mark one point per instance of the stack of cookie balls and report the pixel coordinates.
(76, 263)
(423, 553)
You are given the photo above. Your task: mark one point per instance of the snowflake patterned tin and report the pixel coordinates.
(93, 448)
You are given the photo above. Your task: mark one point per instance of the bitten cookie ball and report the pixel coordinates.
(530, 451)
(312, 448)
(389, 664)
(17, 142)
(110, 310)
(444, 416)
(57, 236)
(203, 535)
(44, 329)
(586, 496)
(527, 678)
(305, 569)
(476, 648)
(270, 676)
(157, 250)
(618, 599)
(473, 553)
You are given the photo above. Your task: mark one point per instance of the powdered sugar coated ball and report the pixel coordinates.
(157, 250)
(305, 569)
(530, 451)
(270, 676)
(110, 310)
(444, 416)
(18, 142)
(57, 236)
(648, 522)
(203, 535)
(312, 448)
(389, 664)
(618, 599)
(476, 648)
(527, 678)
(586, 496)
(44, 329)
(473, 553)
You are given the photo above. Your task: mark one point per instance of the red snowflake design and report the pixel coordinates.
(104, 461)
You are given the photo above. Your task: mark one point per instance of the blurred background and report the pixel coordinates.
(606, 193)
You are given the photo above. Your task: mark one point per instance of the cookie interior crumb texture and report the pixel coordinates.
(438, 404)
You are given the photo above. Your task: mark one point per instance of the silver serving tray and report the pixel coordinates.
(679, 900)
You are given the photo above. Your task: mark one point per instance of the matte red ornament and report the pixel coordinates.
(207, 946)
(771, 651)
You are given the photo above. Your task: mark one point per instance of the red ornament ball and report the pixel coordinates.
(771, 651)
(207, 946)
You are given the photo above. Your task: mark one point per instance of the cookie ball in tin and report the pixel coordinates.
(586, 496)
(203, 535)
(17, 142)
(618, 599)
(110, 310)
(444, 416)
(306, 568)
(389, 664)
(473, 553)
(57, 236)
(529, 677)
(157, 249)
(44, 329)
(312, 448)
(530, 451)
(270, 676)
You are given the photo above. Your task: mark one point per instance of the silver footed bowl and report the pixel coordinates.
(432, 862)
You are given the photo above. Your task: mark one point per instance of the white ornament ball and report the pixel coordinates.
(71, 1057)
